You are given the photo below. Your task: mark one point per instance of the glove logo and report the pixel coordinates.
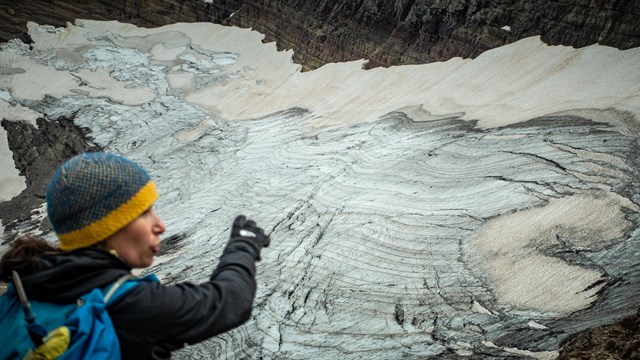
(247, 233)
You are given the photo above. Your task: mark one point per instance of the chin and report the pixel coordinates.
(142, 264)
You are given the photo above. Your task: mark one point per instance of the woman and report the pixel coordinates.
(100, 206)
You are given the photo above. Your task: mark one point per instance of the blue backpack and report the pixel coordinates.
(80, 330)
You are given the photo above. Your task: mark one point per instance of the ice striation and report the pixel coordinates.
(471, 208)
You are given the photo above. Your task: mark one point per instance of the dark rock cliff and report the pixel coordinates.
(411, 32)
(385, 32)
(37, 152)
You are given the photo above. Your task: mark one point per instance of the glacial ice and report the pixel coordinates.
(415, 211)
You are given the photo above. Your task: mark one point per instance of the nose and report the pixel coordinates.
(158, 225)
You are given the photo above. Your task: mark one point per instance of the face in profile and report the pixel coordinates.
(139, 241)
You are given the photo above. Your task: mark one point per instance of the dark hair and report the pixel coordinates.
(23, 255)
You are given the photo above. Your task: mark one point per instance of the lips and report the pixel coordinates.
(155, 249)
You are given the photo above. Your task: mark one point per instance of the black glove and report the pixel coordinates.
(246, 231)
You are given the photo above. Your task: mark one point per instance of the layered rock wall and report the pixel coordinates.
(147, 13)
(37, 152)
(409, 32)
(385, 32)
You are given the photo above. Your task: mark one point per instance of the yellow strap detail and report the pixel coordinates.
(55, 344)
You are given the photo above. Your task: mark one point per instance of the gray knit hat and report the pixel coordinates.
(93, 195)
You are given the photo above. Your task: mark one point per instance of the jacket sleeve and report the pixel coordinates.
(185, 313)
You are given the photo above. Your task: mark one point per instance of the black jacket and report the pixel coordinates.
(153, 319)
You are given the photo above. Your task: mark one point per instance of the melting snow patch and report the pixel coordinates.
(535, 325)
(15, 46)
(12, 182)
(5, 95)
(541, 355)
(478, 308)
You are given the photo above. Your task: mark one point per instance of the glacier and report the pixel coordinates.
(474, 207)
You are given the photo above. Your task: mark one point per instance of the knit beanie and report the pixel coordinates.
(93, 195)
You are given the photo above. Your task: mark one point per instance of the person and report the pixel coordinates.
(100, 207)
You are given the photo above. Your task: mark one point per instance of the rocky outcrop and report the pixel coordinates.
(410, 32)
(385, 32)
(37, 152)
(617, 341)
(14, 15)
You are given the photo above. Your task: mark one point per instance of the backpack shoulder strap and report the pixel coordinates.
(123, 285)
(116, 285)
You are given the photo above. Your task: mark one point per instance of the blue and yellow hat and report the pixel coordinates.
(93, 195)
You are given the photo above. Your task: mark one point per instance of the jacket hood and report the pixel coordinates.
(63, 277)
